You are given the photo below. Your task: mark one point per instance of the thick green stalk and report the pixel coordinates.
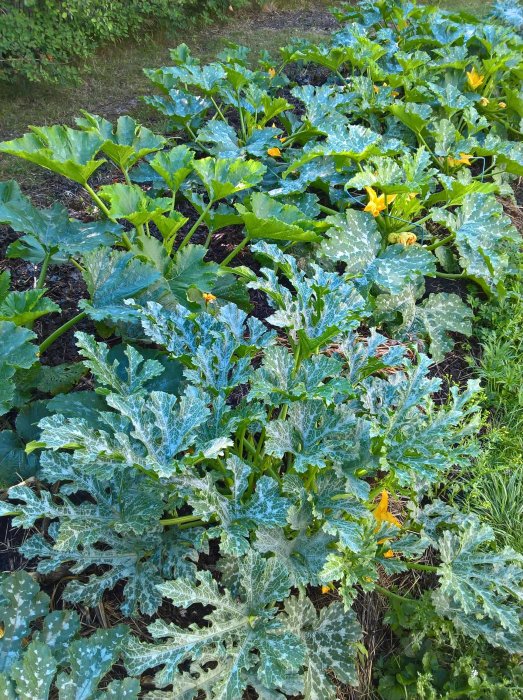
(60, 331)
(327, 210)
(394, 596)
(440, 242)
(199, 220)
(452, 275)
(236, 251)
(217, 108)
(43, 272)
(420, 567)
(98, 201)
(180, 520)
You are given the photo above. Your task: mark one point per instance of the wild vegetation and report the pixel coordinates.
(254, 439)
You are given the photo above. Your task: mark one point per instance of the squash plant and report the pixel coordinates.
(283, 465)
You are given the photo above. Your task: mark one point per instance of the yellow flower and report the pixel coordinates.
(271, 72)
(464, 159)
(412, 195)
(382, 513)
(2, 631)
(377, 202)
(283, 139)
(325, 589)
(389, 554)
(274, 152)
(484, 102)
(407, 238)
(395, 93)
(474, 79)
(376, 89)
(208, 298)
(503, 105)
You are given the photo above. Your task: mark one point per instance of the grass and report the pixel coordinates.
(496, 489)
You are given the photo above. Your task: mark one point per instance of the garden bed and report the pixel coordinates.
(256, 486)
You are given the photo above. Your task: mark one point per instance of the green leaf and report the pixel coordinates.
(480, 590)
(173, 166)
(330, 637)
(34, 674)
(233, 631)
(23, 308)
(271, 220)
(49, 232)
(15, 464)
(355, 240)
(188, 270)
(485, 238)
(59, 379)
(124, 144)
(311, 433)
(16, 352)
(21, 602)
(303, 554)
(236, 514)
(132, 379)
(68, 152)
(111, 278)
(223, 177)
(90, 660)
(183, 109)
(414, 116)
(163, 424)
(322, 306)
(131, 203)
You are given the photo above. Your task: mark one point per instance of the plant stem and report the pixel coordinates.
(60, 331)
(180, 520)
(242, 120)
(98, 201)
(452, 275)
(43, 272)
(394, 596)
(236, 251)
(199, 220)
(327, 210)
(441, 242)
(420, 567)
(217, 108)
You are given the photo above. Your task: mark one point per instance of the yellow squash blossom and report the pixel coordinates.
(208, 298)
(404, 237)
(376, 89)
(503, 105)
(474, 79)
(274, 152)
(271, 72)
(377, 202)
(484, 102)
(464, 159)
(382, 513)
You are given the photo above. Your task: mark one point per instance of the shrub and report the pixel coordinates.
(47, 39)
